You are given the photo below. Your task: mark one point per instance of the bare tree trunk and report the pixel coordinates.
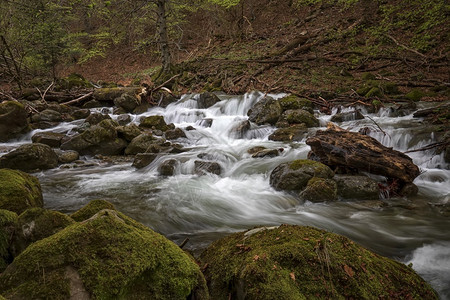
(163, 36)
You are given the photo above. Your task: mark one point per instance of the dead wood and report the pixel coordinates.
(79, 99)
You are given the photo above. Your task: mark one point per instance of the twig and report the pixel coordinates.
(378, 126)
(405, 47)
(78, 99)
(8, 96)
(46, 90)
(186, 240)
(430, 146)
(165, 82)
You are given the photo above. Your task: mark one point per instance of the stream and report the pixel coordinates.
(206, 208)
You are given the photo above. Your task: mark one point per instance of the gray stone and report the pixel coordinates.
(265, 111)
(207, 99)
(357, 187)
(142, 160)
(204, 167)
(13, 120)
(30, 157)
(53, 139)
(167, 168)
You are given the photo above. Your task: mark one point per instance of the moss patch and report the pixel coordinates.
(8, 220)
(91, 209)
(415, 95)
(320, 189)
(294, 262)
(115, 257)
(294, 102)
(19, 191)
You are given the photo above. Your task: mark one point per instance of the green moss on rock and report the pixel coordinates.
(35, 224)
(320, 189)
(295, 262)
(111, 256)
(294, 102)
(91, 209)
(374, 92)
(154, 122)
(8, 220)
(19, 191)
(415, 95)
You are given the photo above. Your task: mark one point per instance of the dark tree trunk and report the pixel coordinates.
(163, 36)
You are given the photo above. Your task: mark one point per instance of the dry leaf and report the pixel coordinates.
(349, 271)
(256, 257)
(292, 276)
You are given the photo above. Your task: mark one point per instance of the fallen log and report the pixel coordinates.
(338, 148)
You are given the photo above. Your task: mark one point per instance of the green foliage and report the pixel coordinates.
(225, 3)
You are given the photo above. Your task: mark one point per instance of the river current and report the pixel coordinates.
(205, 208)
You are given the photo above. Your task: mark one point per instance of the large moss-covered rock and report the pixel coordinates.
(320, 189)
(289, 134)
(294, 102)
(30, 157)
(294, 176)
(91, 209)
(19, 191)
(13, 120)
(127, 102)
(145, 142)
(35, 224)
(295, 262)
(265, 111)
(128, 132)
(154, 122)
(8, 220)
(98, 139)
(297, 116)
(207, 99)
(108, 256)
(357, 187)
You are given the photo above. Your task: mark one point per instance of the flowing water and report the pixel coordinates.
(205, 208)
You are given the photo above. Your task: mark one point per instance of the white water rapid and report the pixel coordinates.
(205, 208)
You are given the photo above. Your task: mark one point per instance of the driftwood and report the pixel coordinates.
(339, 148)
(81, 98)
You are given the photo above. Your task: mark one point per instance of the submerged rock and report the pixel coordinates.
(296, 262)
(294, 176)
(108, 256)
(19, 191)
(30, 157)
(35, 224)
(13, 120)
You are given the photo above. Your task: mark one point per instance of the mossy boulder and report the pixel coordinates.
(374, 92)
(47, 115)
(19, 191)
(91, 209)
(167, 168)
(128, 132)
(109, 94)
(96, 118)
(294, 102)
(154, 122)
(127, 102)
(294, 176)
(292, 133)
(109, 256)
(320, 189)
(35, 224)
(415, 95)
(297, 116)
(357, 187)
(30, 157)
(207, 99)
(296, 262)
(52, 139)
(98, 139)
(8, 220)
(73, 81)
(13, 120)
(265, 111)
(347, 116)
(144, 142)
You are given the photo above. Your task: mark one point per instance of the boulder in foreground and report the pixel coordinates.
(296, 262)
(108, 256)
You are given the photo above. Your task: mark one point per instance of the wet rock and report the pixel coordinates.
(127, 102)
(19, 191)
(35, 224)
(357, 187)
(145, 142)
(142, 160)
(290, 134)
(128, 132)
(239, 131)
(13, 120)
(123, 119)
(80, 114)
(30, 157)
(98, 139)
(294, 176)
(409, 190)
(167, 168)
(110, 94)
(8, 220)
(96, 118)
(294, 262)
(108, 256)
(320, 189)
(297, 116)
(206, 122)
(47, 115)
(154, 122)
(207, 99)
(52, 139)
(189, 128)
(347, 116)
(204, 167)
(119, 111)
(266, 153)
(340, 148)
(265, 111)
(142, 108)
(66, 157)
(90, 209)
(294, 102)
(256, 149)
(175, 134)
(92, 104)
